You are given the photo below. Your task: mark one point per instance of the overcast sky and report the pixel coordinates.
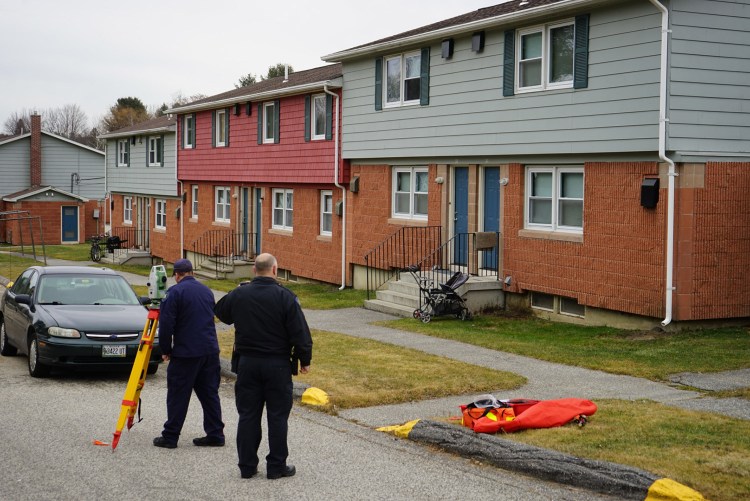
(90, 53)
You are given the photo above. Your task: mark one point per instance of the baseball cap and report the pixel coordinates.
(182, 266)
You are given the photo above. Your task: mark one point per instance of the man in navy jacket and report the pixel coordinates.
(187, 336)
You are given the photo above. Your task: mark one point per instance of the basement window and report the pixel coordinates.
(570, 306)
(543, 301)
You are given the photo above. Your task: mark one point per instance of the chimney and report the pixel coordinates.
(36, 150)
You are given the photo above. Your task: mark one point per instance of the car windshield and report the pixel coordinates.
(85, 289)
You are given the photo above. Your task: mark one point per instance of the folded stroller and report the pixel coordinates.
(440, 300)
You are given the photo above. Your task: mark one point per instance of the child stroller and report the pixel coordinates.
(440, 300)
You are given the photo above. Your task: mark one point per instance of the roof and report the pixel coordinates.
(299, 82)
(44, 133)
(476, 20)
(30, 192)
(164, 123)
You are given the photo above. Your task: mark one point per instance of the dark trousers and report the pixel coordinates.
(263, 381)
(202, 374)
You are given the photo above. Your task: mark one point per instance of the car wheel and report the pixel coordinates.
(152, 368)
(36, 369)
(6, 349)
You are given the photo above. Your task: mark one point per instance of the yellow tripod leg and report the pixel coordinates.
(137, 376)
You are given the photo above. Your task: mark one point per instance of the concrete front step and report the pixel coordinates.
(410, 300)
(390, 308)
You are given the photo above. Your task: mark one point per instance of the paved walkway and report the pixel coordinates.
(546, 380)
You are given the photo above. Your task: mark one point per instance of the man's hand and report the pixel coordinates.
(165, 358)
(305, 369)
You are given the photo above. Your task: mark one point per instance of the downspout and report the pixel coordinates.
(665, 31)
(342, 188)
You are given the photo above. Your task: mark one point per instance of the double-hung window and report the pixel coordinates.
(123, 153)
(326, 212)
(221, 129)
(402, 79)
(161, 214)
(194, 201)
(127, 210)
(318, 126)
(269, 122)
(283, 209)
(223, 204)
(155, 151)
(554, 199)
(410, 192)
(188, 132)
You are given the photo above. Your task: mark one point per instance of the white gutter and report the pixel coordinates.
(512, 17)
(669, 285)
(342, 188)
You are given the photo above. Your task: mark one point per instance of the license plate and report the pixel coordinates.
(109, 350)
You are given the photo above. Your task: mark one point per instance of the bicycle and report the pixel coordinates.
(96, 251)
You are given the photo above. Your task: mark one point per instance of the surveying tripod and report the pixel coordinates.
(157, 285)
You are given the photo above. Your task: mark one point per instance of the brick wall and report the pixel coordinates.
(163, 244)
(50, 214)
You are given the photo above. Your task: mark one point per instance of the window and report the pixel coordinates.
(402, 79)
(269, 122)
(318, 117)
(161, 214)
(550, 56)
(410, 192)
(123, 153)
(188, 132)
(194, 205)
(543, 301)
(326, 213)
(127, 211)
(570, 306)
(223, 204)
(554, 198)
(155, 151)
(221, 128)
(283, 206)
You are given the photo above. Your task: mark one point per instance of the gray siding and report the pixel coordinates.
(138, 178)
(709, 105)
(61, 161)
(468, 116)
(14, 166)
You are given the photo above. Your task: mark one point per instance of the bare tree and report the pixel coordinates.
(69, 121)
(19, 122)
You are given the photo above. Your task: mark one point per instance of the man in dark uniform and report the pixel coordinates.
(187, 336)
(271, 337)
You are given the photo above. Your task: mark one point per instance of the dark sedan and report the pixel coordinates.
(73, 316)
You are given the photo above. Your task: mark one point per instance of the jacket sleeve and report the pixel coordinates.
(223, 310)
(299, 334)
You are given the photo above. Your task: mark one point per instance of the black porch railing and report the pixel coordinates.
(121, 239)
(223, 247)
(406, 246)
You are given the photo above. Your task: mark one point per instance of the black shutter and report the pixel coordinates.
(276, 125)
(148, 148)
(213, 128)
(329, 116)
(307, 118)
(192, 132)
(226, 128)
(509, 63)
(161, 162)
(249, 108)
(581, 61)
(260, 123)
(181, 132)
(424, 78)
(379, 84)
(127, 153)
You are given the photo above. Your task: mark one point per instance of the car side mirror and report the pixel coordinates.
(25, 299)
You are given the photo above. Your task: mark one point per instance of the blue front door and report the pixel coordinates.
(491, 212)
(460, 215)
(69, 224)
(245, 222)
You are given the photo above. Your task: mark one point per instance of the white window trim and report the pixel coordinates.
(412, 183)
(187, 136)
(554, 226)
(221, 125)
(545, 83)
(121, 161)
(314, 118)
(402, 59)
(127, 210)
(323, 195)
(266, 106)
(285, 225)
(226, 205)
(160, 213)
(194, 201)
(156, 142)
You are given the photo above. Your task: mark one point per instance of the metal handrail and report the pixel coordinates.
(223, 247)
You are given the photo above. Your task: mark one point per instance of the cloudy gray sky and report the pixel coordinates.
(92, 52)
